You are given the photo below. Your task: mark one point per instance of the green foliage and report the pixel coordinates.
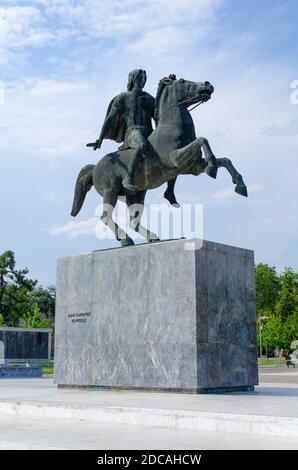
(15, 289)
(20, 294)
(45, 299)
(288, 300)
(2, 322)
(273, 333)
(277, 301)
(267, 287)
(291, 330)
(33, 320)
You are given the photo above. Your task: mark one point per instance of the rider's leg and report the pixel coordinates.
(128, 181)
(139, 143)
(170, 194)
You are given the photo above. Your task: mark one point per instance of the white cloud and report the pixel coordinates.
(52, 196)
(228, 193)
(54, 117)
(74, 229)
(159, 42)
(156, 27)
(45, 88)
(22, 26)
(288, 129)
(50, 118)
(17, 24)
(104, 17)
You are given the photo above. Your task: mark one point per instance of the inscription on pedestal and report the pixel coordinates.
(80, 317)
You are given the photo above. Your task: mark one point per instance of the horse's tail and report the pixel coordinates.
(83, 185)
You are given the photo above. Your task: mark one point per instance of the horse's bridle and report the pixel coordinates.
(181, 102)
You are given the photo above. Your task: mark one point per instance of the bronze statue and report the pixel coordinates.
(172, 148)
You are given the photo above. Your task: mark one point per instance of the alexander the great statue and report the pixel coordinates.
(149, 158)
(129, 120)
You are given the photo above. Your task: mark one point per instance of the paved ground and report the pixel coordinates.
(273, 405)
(29, 433)
(280, 375)
(268, 399)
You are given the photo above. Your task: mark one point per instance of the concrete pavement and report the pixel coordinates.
(33, 412)
(35, 433)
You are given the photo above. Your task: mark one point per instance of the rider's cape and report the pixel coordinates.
(118, 127)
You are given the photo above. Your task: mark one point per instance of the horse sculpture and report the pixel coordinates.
(175, 150)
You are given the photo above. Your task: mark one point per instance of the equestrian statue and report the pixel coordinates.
(149, 158)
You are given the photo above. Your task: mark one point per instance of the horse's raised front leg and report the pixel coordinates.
(110, 198)
(236, 177)
(135, 204)
(192, 153)
(211, 168)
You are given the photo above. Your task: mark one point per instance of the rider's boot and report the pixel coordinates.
(128, 180)
(127, 183)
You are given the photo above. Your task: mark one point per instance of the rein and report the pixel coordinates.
(179, 103)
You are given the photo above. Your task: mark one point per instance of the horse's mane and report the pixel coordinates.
(161, 86)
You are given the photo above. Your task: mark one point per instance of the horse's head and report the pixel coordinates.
(189, 93)
(175, 92)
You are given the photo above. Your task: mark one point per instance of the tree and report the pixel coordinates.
(15, 289)
(45, 299)
(288, 300)
(2, 322)
(33, 320)
(267, 287)
(273, 332)
(291, 329)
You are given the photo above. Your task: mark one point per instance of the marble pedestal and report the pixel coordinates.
(176, 315)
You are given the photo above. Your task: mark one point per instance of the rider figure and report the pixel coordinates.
(129, 120)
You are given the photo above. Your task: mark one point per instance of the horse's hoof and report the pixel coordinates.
(241, 189)
(154, 240)
(170, 196)
(127, 242)
(211, 170)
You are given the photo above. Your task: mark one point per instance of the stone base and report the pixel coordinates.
(175, 316)
(168, 390)
(15, 371)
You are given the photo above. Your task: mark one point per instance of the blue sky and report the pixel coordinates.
(62, 61)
